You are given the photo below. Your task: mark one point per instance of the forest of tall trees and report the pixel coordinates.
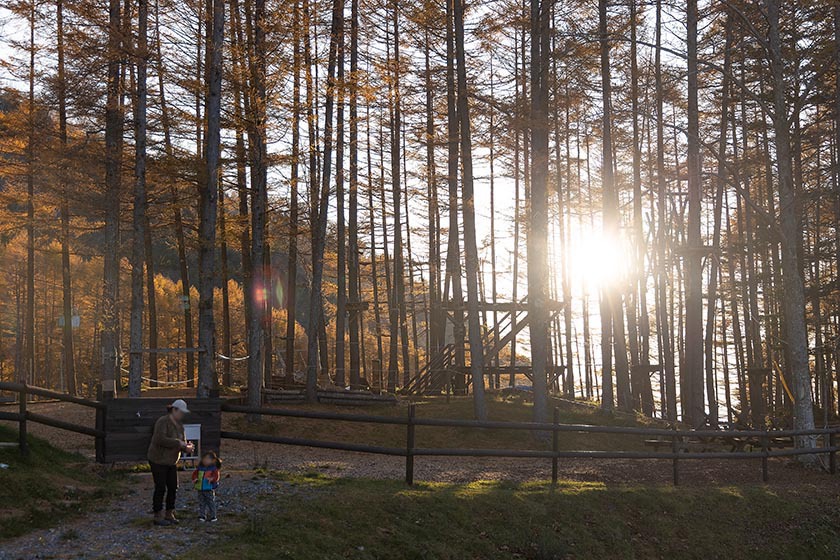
(629, 203)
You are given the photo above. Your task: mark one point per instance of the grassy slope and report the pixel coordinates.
(511, 409)
(382, 520)
(34, 491)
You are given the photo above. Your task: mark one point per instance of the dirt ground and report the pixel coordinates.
(121, 528)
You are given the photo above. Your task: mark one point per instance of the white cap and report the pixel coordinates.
(180, 405)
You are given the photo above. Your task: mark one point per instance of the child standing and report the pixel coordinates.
(206, 478)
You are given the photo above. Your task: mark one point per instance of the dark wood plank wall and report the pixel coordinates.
(129, 423)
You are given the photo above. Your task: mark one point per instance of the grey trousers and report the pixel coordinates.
(207, 503)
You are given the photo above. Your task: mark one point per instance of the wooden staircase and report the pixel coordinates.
(434, 376)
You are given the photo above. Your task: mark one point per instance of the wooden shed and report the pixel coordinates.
(128, 426)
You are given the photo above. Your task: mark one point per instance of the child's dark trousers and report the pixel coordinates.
(207, 504)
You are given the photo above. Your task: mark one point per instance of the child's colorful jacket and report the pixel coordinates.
(206, 478)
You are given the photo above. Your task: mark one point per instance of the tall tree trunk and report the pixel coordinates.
(453, 254)
(291, 281)
(470, 243)
(138, 247)
(183, 266)
(355, 307)
(320, 223)
(66, 284)
(714, 266)
(29, 320)
(692, 394)
(641, 383)
(113, 161)
(791, 230)
(670, 406)
(207, 379)
(259, 179)
(538, 271)
(227, 342)
(341, 228)
(396, 192)
(612, 324)
(436, 319)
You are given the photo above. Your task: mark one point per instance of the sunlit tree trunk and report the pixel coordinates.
(341, 227)
(470, 243)
(355, 312)
(320, 231)
(538, 272)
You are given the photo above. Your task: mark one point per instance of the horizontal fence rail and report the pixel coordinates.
(677, 439)
(23, 415)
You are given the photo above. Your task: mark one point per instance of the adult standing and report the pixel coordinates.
(168, 441)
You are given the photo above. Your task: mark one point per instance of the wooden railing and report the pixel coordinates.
(678, 440)
(23, 416)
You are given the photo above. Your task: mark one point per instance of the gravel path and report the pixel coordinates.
(122, 528)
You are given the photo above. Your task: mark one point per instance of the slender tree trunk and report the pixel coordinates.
(609, 299)
(670, 407)
(470, 243)
(453, 255)
(320, 231)
(355, 307)
(29, 320)
(227, 342)
(207, 379)
(291, 282)
(113, 160)
(396, 191)
(66, 284)
(259, 179)
(138, 247)
(538, 271)
(436, 319)
(711, 390)
(341, 228)
(791, 230)
(692, 394)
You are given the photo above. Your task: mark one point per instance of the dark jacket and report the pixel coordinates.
(165, 447)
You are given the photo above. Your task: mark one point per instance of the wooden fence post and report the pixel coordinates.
(409, 448)
(675, 449)
(765, 449)
(555, 447)
(100, 441)
(832, 455)
(23, 444)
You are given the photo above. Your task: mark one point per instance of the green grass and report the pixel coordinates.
(499, 409)
(48, 484)
(363, 519)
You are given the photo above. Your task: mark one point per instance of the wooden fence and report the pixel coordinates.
(23, 416)
(676, 439)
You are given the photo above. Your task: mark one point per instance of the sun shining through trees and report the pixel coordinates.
(633, 203)
(597, 262)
